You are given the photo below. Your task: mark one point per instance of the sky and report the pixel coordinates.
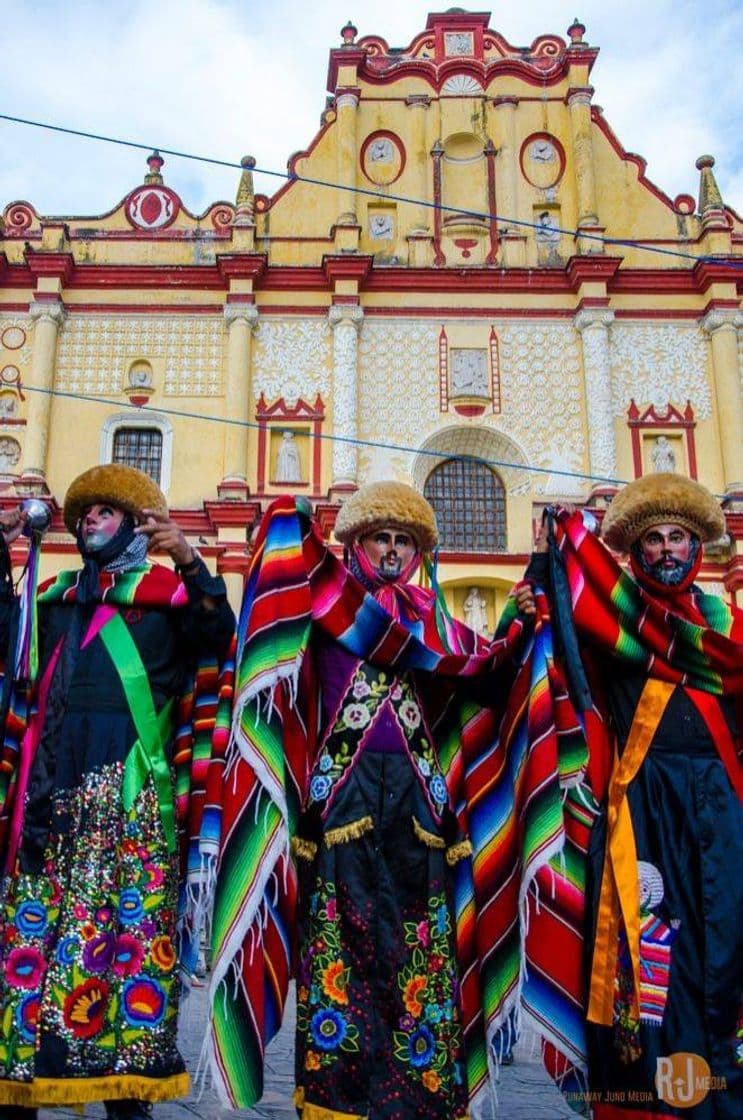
(226, 78)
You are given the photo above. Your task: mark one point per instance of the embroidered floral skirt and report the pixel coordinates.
(89, 983)
(688, 826)
(378, 1019)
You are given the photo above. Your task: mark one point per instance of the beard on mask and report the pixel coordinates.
(668, 571)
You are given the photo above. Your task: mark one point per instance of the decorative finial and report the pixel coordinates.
(711, 206)
(155, 163)
(348, 34)
(245, 198)
(576, 31)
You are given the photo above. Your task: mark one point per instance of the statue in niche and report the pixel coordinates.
(288, 465)
(8, 405)
(663, 455)
(475, 611)
(10, 452)
(547, 231)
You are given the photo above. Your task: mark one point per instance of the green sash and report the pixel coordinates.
(153, 729)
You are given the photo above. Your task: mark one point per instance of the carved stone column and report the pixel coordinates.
(241, 320)
(48, 316)
(593, 326)
(346, 106)
(722, 327)
(345, 321)
(579, 107)
(419, 103)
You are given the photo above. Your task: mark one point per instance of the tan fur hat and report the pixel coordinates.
(658, 498)
(125, 487)
(387, 503)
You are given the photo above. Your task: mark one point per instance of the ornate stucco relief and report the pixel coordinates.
(292, 359)
(542, 395)
(541, 387)
(95, 351)
(657, 363)
(398, 392)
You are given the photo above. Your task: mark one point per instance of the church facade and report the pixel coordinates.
(465, 283)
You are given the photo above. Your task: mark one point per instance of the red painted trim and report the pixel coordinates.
(707, 273)
(241, 266)
(560, 152)
(600, 121)
(490, 154)
(651, 418)
(443, 371)
(349, 267)
(438, 256)
(49, 264)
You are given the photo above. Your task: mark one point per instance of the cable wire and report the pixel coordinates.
(294, 177)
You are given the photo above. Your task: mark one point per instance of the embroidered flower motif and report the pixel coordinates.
(438, 789)
(85, 1007)
(423, 933)
(98, 952)
(80, 912)
(360, 689)
(431, 1080)
(331, 910)
(423, 765)
(88, 930)
(311, 1060)
(334, 980)
(128, 956)
(329, 1028)
(395, 691)
(103, 915)
(24, 967)
(326, 763)
(414, 989)
(131, 907)
(67, 949)
(319, 787)
(143, 1002)
(162, 953)
(410, 714)
(155, 876)
(407, 1023)
(421, 1047)
(27, 1016)
(31, 918)
(356, 716)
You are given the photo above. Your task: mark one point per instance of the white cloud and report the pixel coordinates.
(225, 77)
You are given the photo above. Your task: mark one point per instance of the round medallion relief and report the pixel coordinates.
(542, 160)
(382, 157)
(152, 207)
(13, 338)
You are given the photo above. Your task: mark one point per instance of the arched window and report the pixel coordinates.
(470, 504)
(139, 447)
(138, 440)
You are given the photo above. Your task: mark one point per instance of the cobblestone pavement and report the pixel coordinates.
(524, 1093)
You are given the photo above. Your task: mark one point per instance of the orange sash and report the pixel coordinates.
(620, 892)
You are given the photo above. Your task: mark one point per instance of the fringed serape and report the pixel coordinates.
(692, 639)
(504, 772)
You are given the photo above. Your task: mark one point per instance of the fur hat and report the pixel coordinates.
(124, 487)
(658, 498)
(387, 503)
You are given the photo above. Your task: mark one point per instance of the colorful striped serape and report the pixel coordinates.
(504, 767)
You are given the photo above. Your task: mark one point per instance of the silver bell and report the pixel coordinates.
(38, 517)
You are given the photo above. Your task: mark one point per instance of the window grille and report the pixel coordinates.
(469, 500)
(139, 447)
